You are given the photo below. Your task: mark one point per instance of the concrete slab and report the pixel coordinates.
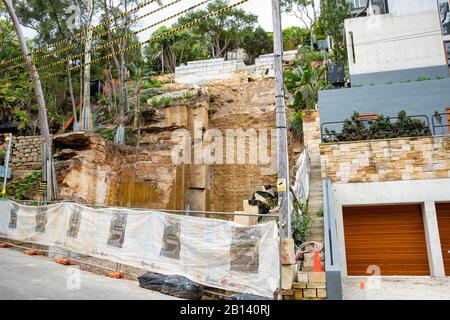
(396, 288)
(40, 278)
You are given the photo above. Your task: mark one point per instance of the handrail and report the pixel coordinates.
(324, 134)
(438, 118)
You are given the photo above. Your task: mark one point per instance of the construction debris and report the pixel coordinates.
(182, 287)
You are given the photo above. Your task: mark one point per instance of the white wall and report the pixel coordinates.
(408, 37)
(425, 192)
(408, 7)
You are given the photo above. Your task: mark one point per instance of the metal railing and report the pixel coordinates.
(327, 135)
(437, 121)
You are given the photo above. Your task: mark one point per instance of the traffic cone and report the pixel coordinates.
(362, 285)
(317, 263)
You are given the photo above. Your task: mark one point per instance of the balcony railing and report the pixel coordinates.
(441, 123)
(368, 132)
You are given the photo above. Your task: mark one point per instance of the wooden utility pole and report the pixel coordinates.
(283, 158)
(42, 110)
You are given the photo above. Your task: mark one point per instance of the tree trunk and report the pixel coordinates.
(87, 58)
(42, 110)
(137, 111)
(72, 98)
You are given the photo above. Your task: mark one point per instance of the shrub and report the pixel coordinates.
(18, 189)
(301, 223)
(354, 129)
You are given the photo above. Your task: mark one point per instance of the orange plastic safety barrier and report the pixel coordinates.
(116, 275)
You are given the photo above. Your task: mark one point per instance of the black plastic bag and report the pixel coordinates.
(182, 287)
(152, 281)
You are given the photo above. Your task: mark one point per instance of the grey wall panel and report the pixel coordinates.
(419, 97)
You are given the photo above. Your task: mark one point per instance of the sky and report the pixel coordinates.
(261, 8)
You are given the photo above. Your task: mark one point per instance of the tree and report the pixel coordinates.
(293, 37)
(50, 19)
(256, 42)
(332, 16)
(224, 32)
(305, 82)
(179, 47)
(42, 111)
(305, 10)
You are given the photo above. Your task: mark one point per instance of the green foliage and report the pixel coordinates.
(223, 32)
(21, 118)
(17, 190)
(2, 156)
(294, 37)
(306, 56)
(355, 129)
(150, 84)
(108, 134)
(295, 124)
(332, 16)
(304, 83)
(301, 223)
(423, 78)
(161, 102)
(188, 95)
(256, 42)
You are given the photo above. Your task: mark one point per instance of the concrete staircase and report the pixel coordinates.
(316, 204)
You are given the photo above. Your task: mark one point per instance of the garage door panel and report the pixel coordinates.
(391, 237)
(443, 216)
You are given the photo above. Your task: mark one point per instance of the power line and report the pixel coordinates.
(97, 36)
(81, 33)
(140, 44)
(111, 42)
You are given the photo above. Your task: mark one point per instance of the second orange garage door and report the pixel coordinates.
(443, 216)
(390, 237)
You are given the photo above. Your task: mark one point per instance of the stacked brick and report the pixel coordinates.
(387, 160)
(26, 153)
(308, 286)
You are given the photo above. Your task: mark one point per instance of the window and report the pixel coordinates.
(359, 4)
(352, 44)
(444, 10)
(380, 6)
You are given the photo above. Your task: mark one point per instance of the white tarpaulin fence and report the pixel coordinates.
(214, 253)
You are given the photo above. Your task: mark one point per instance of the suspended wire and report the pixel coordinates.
(137, 45)
(95, 37)
(80, 34)
(111, 42)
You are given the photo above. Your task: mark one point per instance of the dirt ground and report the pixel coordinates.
(396, 288)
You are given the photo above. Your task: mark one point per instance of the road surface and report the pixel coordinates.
(396, 288)
(40, 278)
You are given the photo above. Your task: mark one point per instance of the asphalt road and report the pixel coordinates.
(40, 278)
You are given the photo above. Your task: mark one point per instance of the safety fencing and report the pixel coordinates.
(215, 253)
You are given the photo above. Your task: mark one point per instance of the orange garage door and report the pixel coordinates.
(390, 237)
(443, 215)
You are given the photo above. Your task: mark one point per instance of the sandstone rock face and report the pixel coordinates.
(94, 171)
